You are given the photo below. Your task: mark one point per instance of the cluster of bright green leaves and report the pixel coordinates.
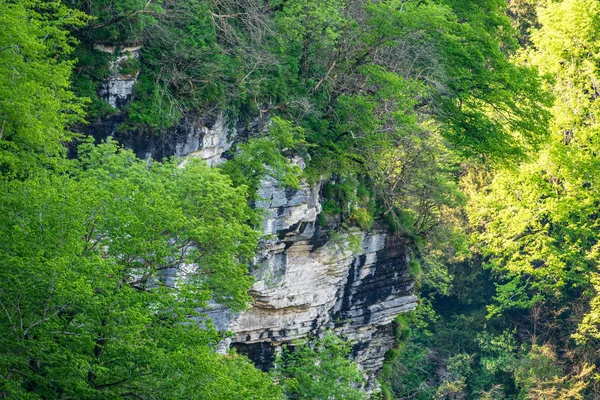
(540, 220)
(459, 73)
(359, 129)
(35, 100)
(491, 106)
(539, 230)
(309, 34)
(536, 223)
(320, 370)
(200, 219)
(106, 259)
(91, 306)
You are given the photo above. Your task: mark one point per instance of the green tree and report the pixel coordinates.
(104, 267)
(537, 223)
(268, 155)
(36, 103)
(118, 22)
(541, 219)
(320, 372)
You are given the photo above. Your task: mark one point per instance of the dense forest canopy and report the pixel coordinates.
(469, 128)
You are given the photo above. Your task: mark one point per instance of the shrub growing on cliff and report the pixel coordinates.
(320, 371)
(266, 155)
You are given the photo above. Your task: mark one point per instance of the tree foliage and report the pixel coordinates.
(397, 105)
(541, 219)
(320, 371)
(36, 102)
(534, 229)
(103, 268)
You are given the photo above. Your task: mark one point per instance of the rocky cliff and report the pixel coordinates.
(308, 277)
(308, 281)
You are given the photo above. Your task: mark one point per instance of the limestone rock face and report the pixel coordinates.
(206, 142)
(206, 137)
(118, 88)
(307, 282)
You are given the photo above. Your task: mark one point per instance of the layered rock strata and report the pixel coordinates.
(308, 281)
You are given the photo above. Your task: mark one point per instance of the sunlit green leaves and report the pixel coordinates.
(102, 268)
(322, 372)
(36, 103)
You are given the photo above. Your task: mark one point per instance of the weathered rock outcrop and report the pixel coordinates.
(206, 136)
(308, 278)
(118, 88)
(307, 282)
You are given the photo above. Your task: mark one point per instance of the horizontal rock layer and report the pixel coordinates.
(308, 282)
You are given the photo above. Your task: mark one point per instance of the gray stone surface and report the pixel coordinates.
(306, 283)
(118, 88)
(208, 143)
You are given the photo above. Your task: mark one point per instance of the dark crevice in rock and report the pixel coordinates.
(262, 354)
